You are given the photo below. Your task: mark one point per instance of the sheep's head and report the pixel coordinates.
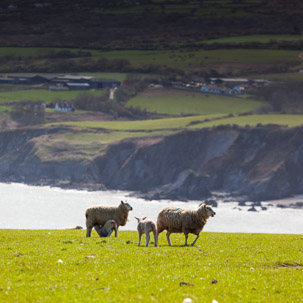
(126, 206)
(140, 219)
(207, 211)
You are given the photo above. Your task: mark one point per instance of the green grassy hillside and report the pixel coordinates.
(175, 102)
(65, 266)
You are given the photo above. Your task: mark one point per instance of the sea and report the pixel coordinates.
(33, 207)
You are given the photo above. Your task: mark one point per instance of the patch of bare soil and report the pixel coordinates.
(8, 124)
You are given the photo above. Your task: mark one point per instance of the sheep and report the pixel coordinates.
(99, 214)
(146, 226)
(178, 220)
(107, 229)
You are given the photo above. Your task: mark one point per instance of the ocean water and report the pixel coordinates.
(33, 207)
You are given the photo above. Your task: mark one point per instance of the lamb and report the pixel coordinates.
(99, 214)
(107, 229)
(178, 220)
(146, 226)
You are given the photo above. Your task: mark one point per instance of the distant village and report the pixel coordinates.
(220, 86)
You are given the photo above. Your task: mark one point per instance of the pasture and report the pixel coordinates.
(41, 95)
(180, 123)
(256, 39)
(253, 120)
(65, 266)
(176, 102)
(191, 60)
(141, 60)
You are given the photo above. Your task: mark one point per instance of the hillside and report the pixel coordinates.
(142, 24)
(254, 164)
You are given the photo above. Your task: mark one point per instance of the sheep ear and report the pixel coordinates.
(203, 205)
(144, 218)
(137, 218)
(122, 202)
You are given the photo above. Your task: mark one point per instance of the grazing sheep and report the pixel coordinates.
(107, 229)
(98, 215)
(178, 220)
(146, 226)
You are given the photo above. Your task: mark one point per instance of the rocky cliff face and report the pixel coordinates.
(261, 163)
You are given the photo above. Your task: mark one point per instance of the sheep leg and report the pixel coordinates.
(88, 231)
(195, 240)
(168, 238)
(147, 238)
(140, 235)
(109, 233)
(98, 229)
(186, 237)
(116, 232)
(155, 237)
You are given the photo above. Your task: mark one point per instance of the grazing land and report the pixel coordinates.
(44, 95)
(65, 266)
(255, 38)
(175, 102)
(253, 120)
(191, 122)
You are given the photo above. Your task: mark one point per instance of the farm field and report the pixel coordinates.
(41, 94)
(255, 38)
(287, 77)
(199, 121)
(185, 60)
(176, 102)
(253, 120)
(65, 266)
(140, 125)
(38, 51)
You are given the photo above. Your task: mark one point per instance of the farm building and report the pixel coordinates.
(64, 107)
(213, 89)
(74, 82)
(108, 83)
(30, 79)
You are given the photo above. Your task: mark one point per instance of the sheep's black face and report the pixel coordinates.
(127, 206)
(210, 211)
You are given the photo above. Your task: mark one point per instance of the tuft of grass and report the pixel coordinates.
(65, 266)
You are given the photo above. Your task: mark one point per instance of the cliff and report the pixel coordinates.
(262, 163)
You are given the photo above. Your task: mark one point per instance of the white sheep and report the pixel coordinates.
(178, 220)
(107, 229)
(147, 226)
(99, 214)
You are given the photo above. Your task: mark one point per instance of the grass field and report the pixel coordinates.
(142, 125)
(189, 122)
(37, 51)
(65, 266)
(174, 102)
(41, 94)
(188, 60)
(288, 77)
(256, 38)
(253, 120)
